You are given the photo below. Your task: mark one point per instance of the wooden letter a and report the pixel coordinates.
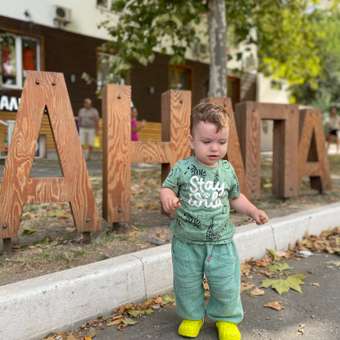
(45, 91)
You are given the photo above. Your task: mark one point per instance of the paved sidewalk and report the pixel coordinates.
(314, 314)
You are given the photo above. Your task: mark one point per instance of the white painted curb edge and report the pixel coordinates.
(32, 308)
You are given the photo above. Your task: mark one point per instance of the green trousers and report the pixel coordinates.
(221, 266)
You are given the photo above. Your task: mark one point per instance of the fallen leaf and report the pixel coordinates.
(264, 262)
(295, 282)
(246, 286)
(266, 272)
(334, 263)
(283, 285)
(135, 313)
(92, 332)
(316, 284)
(272, 254)
(159, 300)
(284, 254)
(71, 337)
(168, 299)
(301, 330)
(256, 292)
(148, 311)
(279, 267)
(245, 269)
(128, 322)
(28, 231)
(114, 322)
(276, 305)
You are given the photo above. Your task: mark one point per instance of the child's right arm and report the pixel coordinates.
(170, 202)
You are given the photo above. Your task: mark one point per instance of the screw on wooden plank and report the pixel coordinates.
(86, 237)
(7, 245)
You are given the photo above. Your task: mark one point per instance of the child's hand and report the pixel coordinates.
(170, 204)
(259, 216)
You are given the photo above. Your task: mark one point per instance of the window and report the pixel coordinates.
(30, 55)
(8, 60)
(179, 77)
(17, 55)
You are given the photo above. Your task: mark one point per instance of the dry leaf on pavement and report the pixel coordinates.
(283, 285)
(301, 330)
(264, 262)
(276, 305)
(256, 292)
(278, 267)
(246, 286)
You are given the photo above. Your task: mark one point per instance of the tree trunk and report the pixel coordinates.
(217, 46)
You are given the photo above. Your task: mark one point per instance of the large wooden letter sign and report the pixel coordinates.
(120, 152)
(313, 160)
(47, 92)
(285, 157)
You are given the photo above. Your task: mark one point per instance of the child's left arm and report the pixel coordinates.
(242, 205)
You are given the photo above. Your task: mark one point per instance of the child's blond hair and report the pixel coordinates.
(208, 112)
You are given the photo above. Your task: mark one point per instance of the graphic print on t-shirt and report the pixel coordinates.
(205, 193)
(211, 234)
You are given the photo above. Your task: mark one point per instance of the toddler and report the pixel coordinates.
(200, 190)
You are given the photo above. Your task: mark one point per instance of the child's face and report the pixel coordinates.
(209, 145)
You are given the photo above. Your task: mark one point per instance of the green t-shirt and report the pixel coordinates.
(204, 193)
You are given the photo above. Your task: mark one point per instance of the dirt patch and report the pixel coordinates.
(48, 241)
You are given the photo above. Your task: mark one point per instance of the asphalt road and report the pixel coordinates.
(314, 314)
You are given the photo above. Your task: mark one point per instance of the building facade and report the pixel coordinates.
(63, 36)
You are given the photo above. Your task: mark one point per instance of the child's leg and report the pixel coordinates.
(223, 272)
(188, 262)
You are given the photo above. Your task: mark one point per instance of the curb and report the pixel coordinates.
(32, 308)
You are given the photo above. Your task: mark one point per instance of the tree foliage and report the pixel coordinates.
(144, 25)
(284, 31)
(324, 90)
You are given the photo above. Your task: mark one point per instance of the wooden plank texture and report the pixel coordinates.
(248, 123)
(45, 91)
(120, 152)
(116, 153)
(176, 110)
(285, 141)
(313, 161)
(285, 153)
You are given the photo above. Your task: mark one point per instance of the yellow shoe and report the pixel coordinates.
(190, 328)
(227, 331)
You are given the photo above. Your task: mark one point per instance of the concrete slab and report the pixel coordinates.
(252, 240)
(287, 230)
(32, 308)
(157, 265)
